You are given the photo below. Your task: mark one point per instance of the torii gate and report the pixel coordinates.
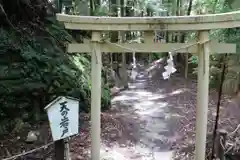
(203, 48)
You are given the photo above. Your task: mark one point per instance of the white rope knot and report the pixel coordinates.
(169, 68)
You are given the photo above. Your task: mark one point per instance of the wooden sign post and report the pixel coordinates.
(63, 118)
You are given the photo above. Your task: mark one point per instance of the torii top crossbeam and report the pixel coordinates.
(171, 23)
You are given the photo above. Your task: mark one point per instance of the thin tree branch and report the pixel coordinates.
(223, 60)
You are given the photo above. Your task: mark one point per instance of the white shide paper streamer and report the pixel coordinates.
(169, 68)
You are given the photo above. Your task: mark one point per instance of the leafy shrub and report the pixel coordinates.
(35, 69)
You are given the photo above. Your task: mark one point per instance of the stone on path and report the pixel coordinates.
(32, 136)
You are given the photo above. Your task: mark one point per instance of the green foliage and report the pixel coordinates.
(222, 35)
(101, 11)
(156, 56)
(194, 59)
(35, 69)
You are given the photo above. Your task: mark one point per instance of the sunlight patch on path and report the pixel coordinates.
(149, 108)
(151, 113)
(143, 102)
(137, 152)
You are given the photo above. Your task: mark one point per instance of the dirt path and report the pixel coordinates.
(150, 119)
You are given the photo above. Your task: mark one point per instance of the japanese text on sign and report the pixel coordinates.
(65, 120)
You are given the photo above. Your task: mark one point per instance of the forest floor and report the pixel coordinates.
(154, 119)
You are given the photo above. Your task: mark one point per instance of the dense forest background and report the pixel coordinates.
(35, 68)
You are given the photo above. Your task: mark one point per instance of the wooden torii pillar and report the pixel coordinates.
(200, 23)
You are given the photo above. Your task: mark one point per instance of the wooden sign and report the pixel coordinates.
(63, 117)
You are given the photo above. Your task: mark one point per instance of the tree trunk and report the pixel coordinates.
(114, 35)
(91, 8)
(183, 40)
